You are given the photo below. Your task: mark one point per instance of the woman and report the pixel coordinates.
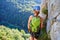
(35, 23)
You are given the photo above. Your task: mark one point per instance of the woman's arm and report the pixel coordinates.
(41, 22)
(30, 18)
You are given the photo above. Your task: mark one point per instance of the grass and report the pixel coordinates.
(44, 35)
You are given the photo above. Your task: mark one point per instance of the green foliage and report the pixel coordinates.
(11, 34)
(14, 34)
(45, 10)
(44, 35)
(22, 31)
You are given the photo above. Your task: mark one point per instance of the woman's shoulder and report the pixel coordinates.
(30, 17)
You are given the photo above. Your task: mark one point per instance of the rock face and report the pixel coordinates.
(54, 19)
(53, 23)
(44, 4)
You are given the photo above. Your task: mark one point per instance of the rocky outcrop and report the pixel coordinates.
(53, 23)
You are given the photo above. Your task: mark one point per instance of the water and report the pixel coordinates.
(14, 14)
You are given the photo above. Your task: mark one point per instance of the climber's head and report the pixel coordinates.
(36, 10)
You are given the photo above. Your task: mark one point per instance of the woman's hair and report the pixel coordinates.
(37, 11)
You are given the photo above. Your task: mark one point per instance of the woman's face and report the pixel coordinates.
(36, 13)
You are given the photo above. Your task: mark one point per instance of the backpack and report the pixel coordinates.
(35, 24)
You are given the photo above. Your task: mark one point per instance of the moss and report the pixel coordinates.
(45, 10)
(44, 35)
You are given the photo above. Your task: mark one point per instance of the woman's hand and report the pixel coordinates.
(29, 29)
